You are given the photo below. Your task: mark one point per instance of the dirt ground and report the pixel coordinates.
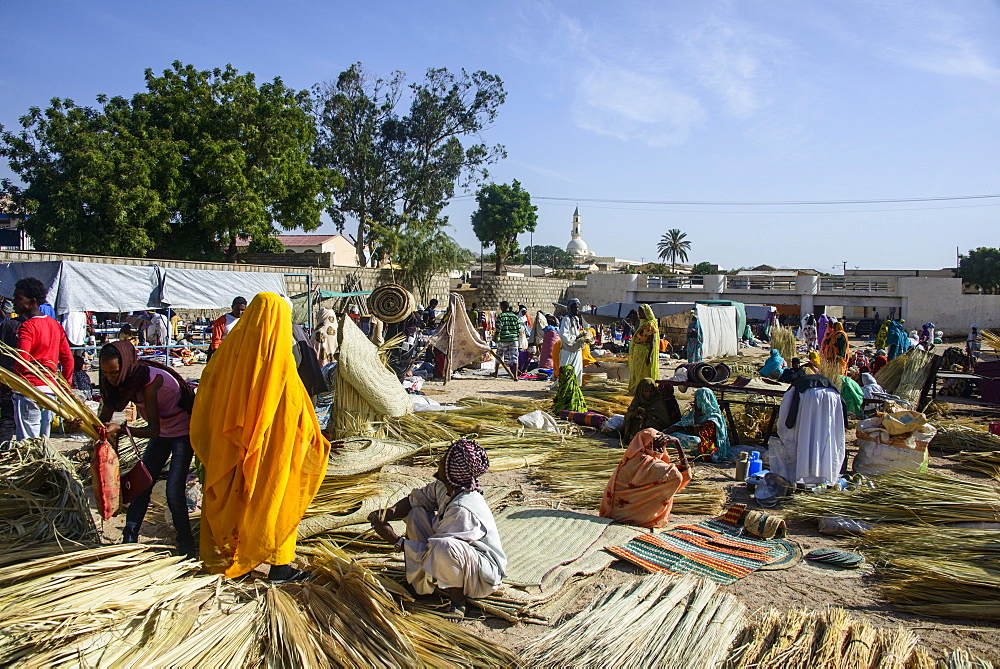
(803, 586)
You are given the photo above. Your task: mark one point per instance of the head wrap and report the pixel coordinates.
(464, 462)
(133, 377)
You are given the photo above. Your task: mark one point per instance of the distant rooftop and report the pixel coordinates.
(296, 240)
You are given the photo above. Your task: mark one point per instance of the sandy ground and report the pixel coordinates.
(803, 586)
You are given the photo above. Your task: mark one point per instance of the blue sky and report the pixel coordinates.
(749, 101)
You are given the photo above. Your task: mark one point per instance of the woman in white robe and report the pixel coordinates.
(812, 431)
(572, 336)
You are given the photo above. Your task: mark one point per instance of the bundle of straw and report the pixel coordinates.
(962, 434)
(906, 374)
(783, 339)
(63, 400)
(907, 498)
(987, 463)
(134, 605)
(990, 339)
(832, 369)
(342, 494)
(664, 622)
(828, 639)
(41, 499)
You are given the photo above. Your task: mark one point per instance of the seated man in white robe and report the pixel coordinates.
(451, 540)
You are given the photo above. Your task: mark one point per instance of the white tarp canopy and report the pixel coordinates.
(619, 310)
(214, 289)
(718, 326)
(92, 286)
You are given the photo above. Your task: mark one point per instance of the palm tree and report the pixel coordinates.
(673, 245)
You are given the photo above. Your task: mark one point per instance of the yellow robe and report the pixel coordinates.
(255, 431)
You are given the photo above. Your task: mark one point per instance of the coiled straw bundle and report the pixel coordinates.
(391, 303)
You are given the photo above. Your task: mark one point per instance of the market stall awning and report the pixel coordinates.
(215, 289)
(85, 286)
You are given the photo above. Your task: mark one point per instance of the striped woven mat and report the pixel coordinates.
(712, 549)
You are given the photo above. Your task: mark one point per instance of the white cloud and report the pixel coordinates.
(612, 100)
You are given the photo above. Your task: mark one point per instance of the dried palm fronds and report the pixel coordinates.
(363, 626)
(938, 409)
(342, 494)
(833, 370)
(63, 400)
(41, 499)
(907, 498)
(783, 339)
(990, 339)
(906, 374)
(987, 463)
(963, 434)
(938, 571)
(829, 639)
(670, 622)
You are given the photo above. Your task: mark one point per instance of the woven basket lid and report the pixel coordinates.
(354, 456)
(391, 303)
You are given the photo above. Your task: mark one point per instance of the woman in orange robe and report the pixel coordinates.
(641, 490)
(254, 429)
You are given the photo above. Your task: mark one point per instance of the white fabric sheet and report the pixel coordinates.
(814, 450)
(718, 326)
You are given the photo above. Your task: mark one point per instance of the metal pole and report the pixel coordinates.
(531, 252)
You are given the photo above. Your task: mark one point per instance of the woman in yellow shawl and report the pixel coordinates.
(644, 351)
(254, 429)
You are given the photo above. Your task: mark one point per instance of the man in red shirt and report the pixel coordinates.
(41, 339)
(224, 323)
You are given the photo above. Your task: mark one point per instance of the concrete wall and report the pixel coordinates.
(326, 279)
(290, 259)
(942, 302)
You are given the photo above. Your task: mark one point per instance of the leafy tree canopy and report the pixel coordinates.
(265, 245)
(423, 249)
(184, 169)
(981, 268)
(505, 211)
(403, 168)
(547, 255)
(703, 268)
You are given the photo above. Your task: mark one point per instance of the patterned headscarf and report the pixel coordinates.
(464, 462)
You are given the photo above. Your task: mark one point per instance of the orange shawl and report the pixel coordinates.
(641, 490)
(255, 431)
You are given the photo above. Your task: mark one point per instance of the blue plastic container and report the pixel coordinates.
(754, 465)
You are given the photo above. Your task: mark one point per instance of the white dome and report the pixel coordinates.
(576, 245)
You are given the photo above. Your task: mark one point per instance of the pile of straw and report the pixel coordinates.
(134, 605)
(783, 339)
(946, 572)
(986, 463)
(41, 499)
(963, 434)
(828, 639)
(659, 621)
(906, 374)
(338, 495)
(906, 498)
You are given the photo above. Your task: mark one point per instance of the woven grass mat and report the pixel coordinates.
(354, 456)
(545, 547)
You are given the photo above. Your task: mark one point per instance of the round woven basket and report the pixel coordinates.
(391, 303)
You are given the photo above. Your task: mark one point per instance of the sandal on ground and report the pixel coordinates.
(454, 613)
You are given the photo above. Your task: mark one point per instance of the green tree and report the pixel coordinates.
(184, 169)
(403, 168)
(245, 152)
(265, 245)
(673, 245)
(424, 249)
(703, 268)
(505, 211)
(548, 255)
(981, 268)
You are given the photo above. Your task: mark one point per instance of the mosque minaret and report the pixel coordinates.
(577, 247)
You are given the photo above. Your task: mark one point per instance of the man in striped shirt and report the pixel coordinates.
(508, 329)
